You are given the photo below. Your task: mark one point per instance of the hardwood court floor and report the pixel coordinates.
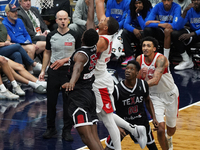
(187, 136)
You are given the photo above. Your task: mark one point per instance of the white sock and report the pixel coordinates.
(124, 124)
(2, 88)
(166, 52)
(33, 84)
(112, 128)
(185, 57)
(14, 83)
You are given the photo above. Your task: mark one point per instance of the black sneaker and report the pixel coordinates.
(49, 133)
(66, 135)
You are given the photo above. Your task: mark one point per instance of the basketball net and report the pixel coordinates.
(45, 3)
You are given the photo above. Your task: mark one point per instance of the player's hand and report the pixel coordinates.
(122, 132)
(156, 124)
(41, 76)
(185, 36)
(57, 64)
(68, 86)
(144, 72)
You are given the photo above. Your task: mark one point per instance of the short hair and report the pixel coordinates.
(152, 39)
(137, 65)
(113, 25)
(90, 37)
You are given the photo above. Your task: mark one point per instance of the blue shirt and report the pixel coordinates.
(17, 31)
(193, 18)
(117, 11)
(130, 24)
(172, 16)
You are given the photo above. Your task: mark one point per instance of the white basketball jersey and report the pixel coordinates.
(104, 57)
(166, 82)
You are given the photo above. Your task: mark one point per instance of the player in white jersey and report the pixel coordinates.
(103, 85)
(163, 91)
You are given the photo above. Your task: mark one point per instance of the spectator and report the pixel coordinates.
(117, 9)
(18, 33)
(168, 14)
(33, 22)
(23, 76)
(79, 17)
(185, 36)
(5, 93)
(15, 51)
(48, 14)
(134, 26)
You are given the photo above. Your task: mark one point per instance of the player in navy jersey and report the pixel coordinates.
(82, 102)
(130, 95)
(184, 37)
(167, 12)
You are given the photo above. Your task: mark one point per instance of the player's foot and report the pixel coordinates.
(126, 60)
(169, 140)
(66, 135)
(140, 135)
(8, 95)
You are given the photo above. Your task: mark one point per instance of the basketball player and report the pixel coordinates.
(103, 85)
(163, 91)
(130, 95)
(82, 106)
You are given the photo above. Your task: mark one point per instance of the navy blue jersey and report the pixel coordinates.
(129, 103)
(87, 75)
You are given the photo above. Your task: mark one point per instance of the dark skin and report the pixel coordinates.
(196, 5)
(131, 74)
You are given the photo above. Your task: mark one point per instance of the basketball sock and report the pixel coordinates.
(2, 88)
(112, 128)
(14, 83)
(124, 124)
(33, 84)
(166, 52)
(185, 57)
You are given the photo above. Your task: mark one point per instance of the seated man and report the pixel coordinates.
(168, 14)
(79, 17)
(33, 22)
(18, 33)
(117, 9)
(186, 37)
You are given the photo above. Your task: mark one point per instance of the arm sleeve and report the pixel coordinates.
(152, 16)
(147, 88)
(197, 32)
(77, 15)
(127, 23)
(142, 21)
(176, 17)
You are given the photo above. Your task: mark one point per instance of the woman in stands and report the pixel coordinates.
(133, 27)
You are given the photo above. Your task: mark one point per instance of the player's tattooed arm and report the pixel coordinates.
(161, 64)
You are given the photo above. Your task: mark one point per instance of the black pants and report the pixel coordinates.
(56, 78)
(128, 38)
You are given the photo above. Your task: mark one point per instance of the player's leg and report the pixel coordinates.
(171, 116)
(139, 132)
(112, 128)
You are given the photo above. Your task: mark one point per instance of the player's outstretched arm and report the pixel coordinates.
(100, 10)
(90, 16)
(80, 59)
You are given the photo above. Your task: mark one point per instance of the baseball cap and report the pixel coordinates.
(11, 7)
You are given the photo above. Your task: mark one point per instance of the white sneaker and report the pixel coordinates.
(184, 65)
(43, 83)
(17, 90)
(38, 67)
(141, 136)
(8, 95)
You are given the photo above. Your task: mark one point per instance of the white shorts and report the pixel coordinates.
(166, 104)
(103, 89)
